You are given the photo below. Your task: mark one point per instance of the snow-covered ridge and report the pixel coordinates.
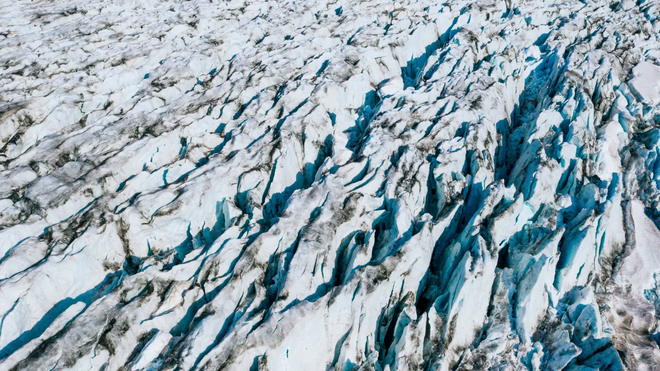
(313, 185)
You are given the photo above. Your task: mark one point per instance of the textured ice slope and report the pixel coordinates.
(314, 185)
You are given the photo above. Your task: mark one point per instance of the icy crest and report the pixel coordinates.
(314, 185)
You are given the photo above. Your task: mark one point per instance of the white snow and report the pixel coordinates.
(646, 82)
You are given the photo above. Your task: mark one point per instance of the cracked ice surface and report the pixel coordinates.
(314, 185)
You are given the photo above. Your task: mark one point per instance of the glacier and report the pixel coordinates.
(329, 185)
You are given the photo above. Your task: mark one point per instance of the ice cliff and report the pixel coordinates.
(329, 185)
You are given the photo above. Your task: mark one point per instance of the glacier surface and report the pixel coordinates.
(329, 185)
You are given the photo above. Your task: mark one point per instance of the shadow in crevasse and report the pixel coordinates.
(366, 113)
(242, 108)
(511, 130)
(411, 75)
(190, 321)
(273, 209)
(339, 345)
(412, 72)
(388, 332)
(110, 282)
(204, 238)
(540, 83)
(343, 266)
(131, 266)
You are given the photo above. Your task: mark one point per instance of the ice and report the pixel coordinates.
(645, 83)
(638, 268)
(313, 185)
